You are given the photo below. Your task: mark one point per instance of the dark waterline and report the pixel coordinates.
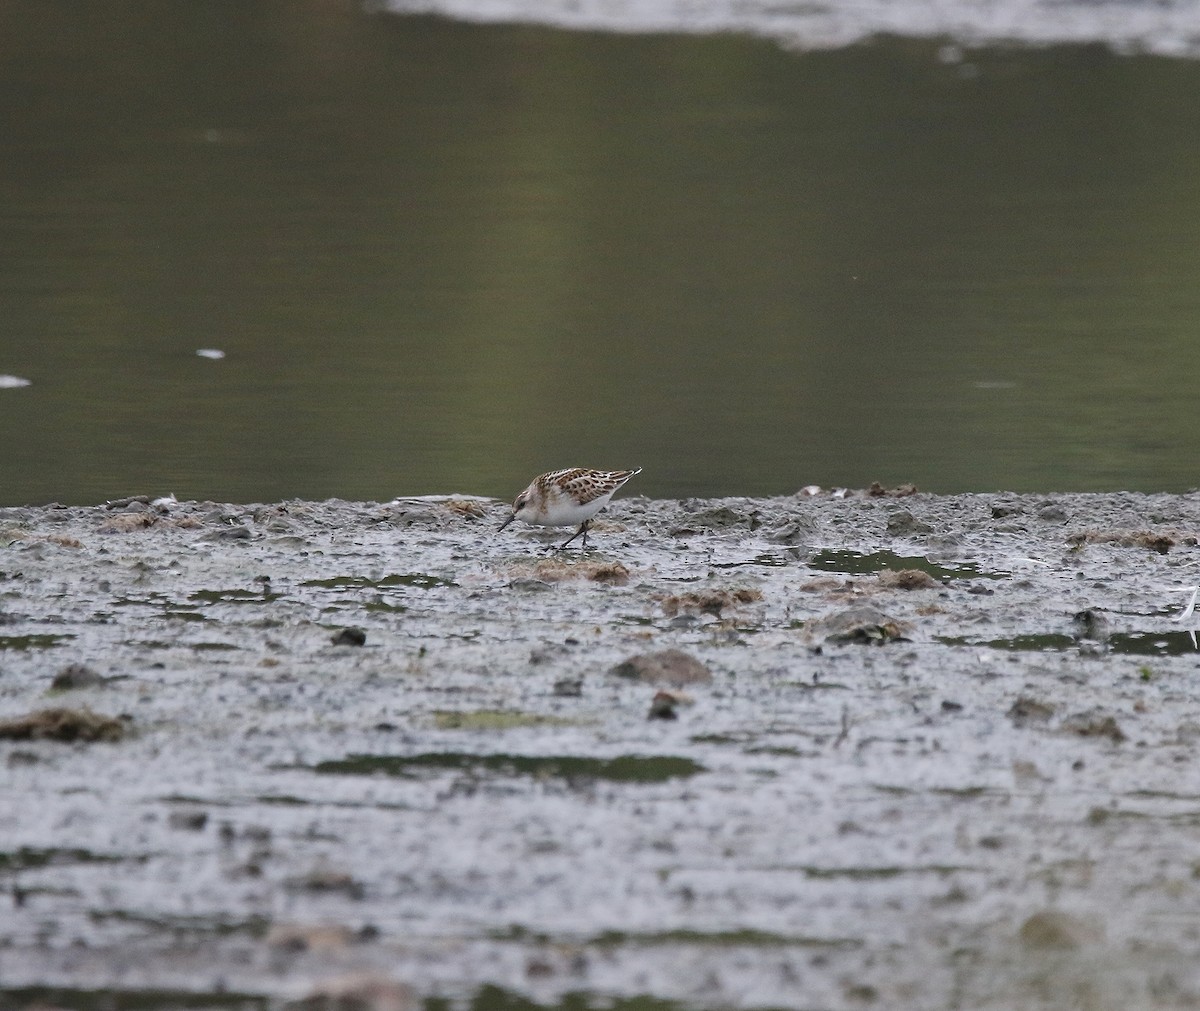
(444, 257)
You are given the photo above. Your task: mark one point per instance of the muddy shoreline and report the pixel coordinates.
(922, 751)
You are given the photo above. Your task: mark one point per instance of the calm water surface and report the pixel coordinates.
(443, 257)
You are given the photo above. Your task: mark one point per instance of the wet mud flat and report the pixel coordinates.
(807, 752)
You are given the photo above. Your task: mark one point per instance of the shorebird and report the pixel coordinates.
(563, 498)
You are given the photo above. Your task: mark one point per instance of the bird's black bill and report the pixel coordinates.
(506, 522)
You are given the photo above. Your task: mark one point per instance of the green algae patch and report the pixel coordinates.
(1173, 643)
(723, 938)
(860, 563)
(622, 769)
(235, 596)
(1168, 643)
(32, 857)
(496, 719)
(44, 641)
(419, 580)
(1038, 642)
(494, 998)
(876, 873)
(132, 1000)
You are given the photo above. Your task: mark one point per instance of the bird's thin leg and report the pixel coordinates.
(583, 529)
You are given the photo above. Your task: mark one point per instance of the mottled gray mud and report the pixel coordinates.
(979, 789)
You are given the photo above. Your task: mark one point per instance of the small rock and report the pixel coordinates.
(128, 500)
(665, 703)
(902, 523)
(795, 531)
(900, 491)
(189, 821)
(946, 547)
(234, 533)
(1094, 724)
(297, 937)
(1027, 711)
(569, 688)
(546, 653)
(668, 666)
(1091, 624)
(529, 585)
(662, 707)
(861, 624)
(349, 637)
(1058, 931)
(75, 675)
(328, 880)
(1052, 514)
(719, 518)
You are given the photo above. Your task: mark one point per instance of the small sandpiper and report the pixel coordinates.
(563, 498)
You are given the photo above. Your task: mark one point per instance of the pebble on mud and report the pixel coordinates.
(1090, 624)
(1052, 513)
(62, 725)
(717, 518)
(900, 491)
(902, 523)
(127, 501)
(188, 821)
(668, 667)
(76, 675)
(1026, 711)
(327, 879)
(568, 688)
(665, 704)
(349, 637)
(297, 937)
(1054, 930)
(1094, 724)
(861, 624)
(230, 533)
(798, 530)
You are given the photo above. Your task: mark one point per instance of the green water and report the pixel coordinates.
(444, 257)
